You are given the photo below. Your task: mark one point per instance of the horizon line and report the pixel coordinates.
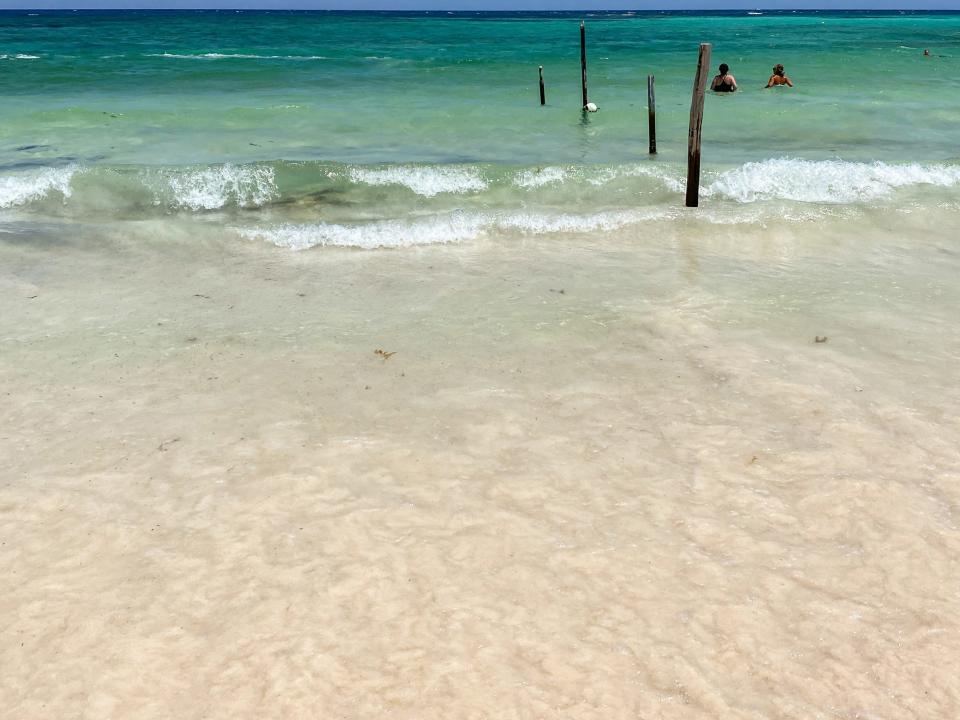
(743, 8)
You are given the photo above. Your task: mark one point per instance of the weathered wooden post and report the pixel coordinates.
(652, 115)
(696, 124)
(583, 61)
(543, 94)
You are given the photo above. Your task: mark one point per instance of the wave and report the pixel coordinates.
(540, 177)
(235, 56)
(795, 180)
(827, 181)
(19, 56)
(423, 180)
(429, 231)
(195, 189)
(23, 188)
(215, 187)
(555, 198)
(449, 228)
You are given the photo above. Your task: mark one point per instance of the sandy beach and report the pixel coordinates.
(588, 484)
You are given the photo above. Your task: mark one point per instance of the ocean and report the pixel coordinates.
(367, 129)
(342, 379)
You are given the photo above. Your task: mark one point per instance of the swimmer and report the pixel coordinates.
(724, 82)
(778, 78)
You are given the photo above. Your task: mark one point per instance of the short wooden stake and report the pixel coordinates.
(652, 115)
(696, 124)
(543, 94)
(583, 61)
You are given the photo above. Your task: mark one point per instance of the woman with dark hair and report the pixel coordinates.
(778, 78)
(724, 82)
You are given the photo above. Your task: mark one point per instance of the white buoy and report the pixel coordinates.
(591, 107)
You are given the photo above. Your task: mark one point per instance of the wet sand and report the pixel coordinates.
(602, 477)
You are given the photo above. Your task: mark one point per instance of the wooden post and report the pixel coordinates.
(543, 94)
(652, 115)
(696, 124)
(583, 61)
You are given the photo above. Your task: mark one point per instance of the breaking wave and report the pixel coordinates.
(443, 229)
(216, 187)
(540, 177)
(306, 204)
(429, 231)
(826, 181)
(196, 189)
(234, 56)
(423, 180)
(22, 188)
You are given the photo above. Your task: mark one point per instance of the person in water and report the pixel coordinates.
(778, 77)
(724, 82)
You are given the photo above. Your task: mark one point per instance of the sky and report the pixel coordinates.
(488, 4)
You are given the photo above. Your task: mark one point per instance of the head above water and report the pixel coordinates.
(778, 69)
(724, 68)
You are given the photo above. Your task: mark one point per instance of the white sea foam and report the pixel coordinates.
(442, 229)
(423, 180)
(541, 176)
(215, 187)
(235, 56)
(436, 230)
(542, 223)
(27, 187)
(670, 178)
(830, 181)
(19, 56)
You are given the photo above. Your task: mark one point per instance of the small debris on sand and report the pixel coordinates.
(384, 354)
(820, 339)
(165, 445)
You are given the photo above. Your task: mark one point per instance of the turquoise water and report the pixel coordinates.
(354, 118)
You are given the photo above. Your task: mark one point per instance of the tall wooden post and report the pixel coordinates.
(583, 61)
(652, 115)
(696, 124)
(543, 93)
